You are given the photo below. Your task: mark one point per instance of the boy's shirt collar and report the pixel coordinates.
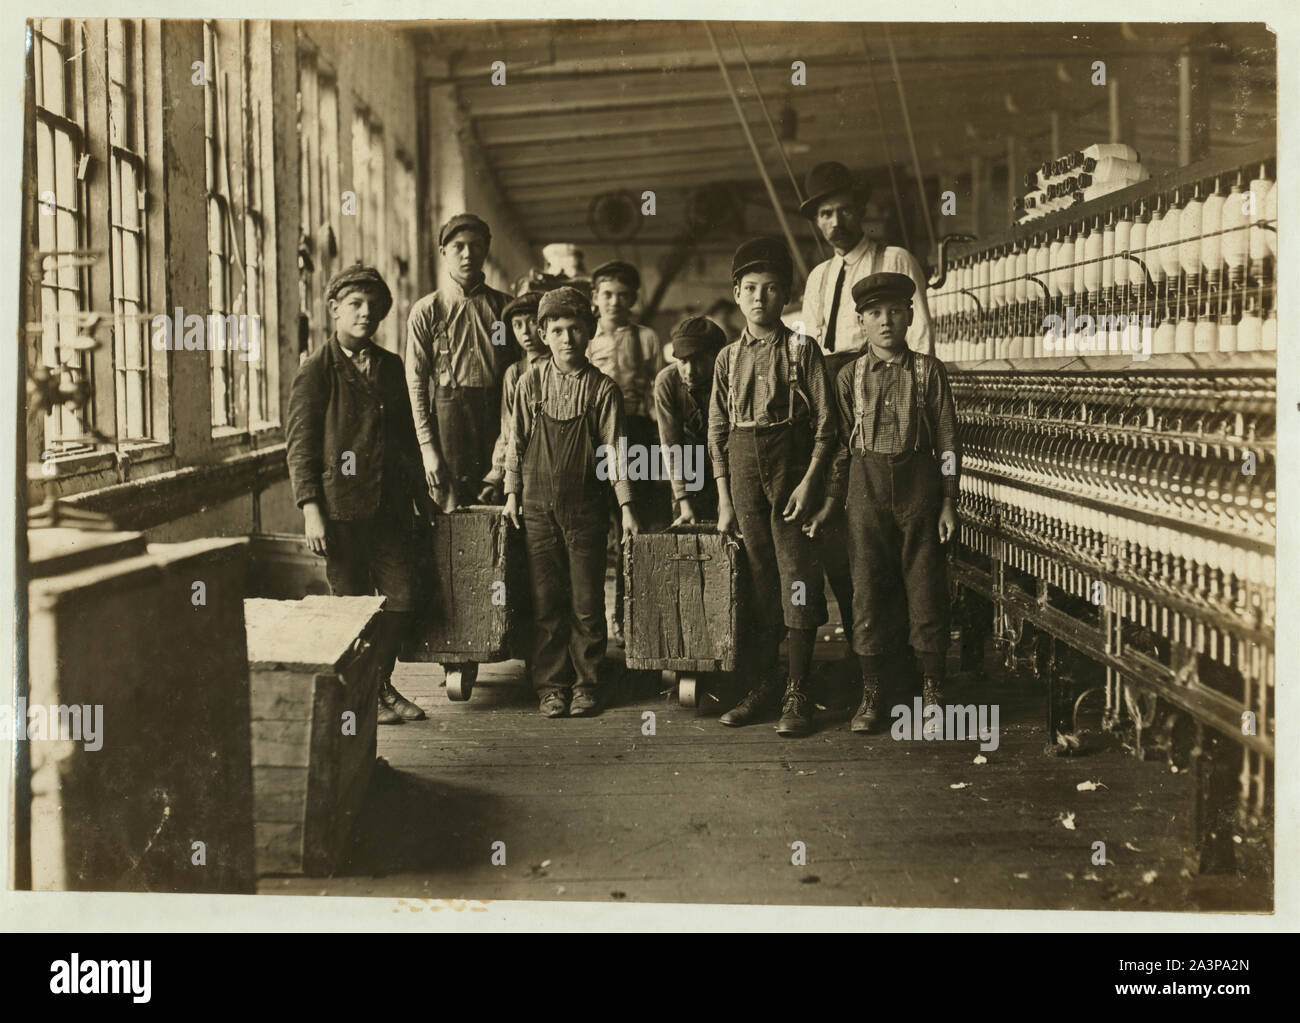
(471, 287)
(877, 359)
(747, 336)
(586, 364)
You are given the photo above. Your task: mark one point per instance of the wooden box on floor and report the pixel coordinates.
(314, 699)
(148, 641)
(682, 608)
(474, 595)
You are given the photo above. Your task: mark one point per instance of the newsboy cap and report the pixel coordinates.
(825, 180)
(763, 254)
(697, 334)
(568, 302)
(463, 222)
(524, 305)
(359, 275)
(616, 269)
(882, 285)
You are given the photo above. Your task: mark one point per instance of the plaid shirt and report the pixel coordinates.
(751, 387)
(886, 401)
(563, 396)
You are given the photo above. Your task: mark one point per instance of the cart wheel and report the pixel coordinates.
(688, 690)
(460, 681)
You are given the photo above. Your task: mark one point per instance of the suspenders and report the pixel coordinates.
(794, 382)
(920, 414)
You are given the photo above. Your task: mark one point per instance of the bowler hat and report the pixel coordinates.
(763, 254)
(882, 285)
(825, 180)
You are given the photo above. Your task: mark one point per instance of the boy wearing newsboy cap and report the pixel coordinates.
(355, 466)
(898, 425)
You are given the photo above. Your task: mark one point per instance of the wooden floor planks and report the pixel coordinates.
(593, 809)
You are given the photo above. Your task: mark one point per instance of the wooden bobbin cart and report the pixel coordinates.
(682, 611)
(475, 604)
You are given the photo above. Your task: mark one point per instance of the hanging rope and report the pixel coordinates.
(884, 140)
(758, 159)
(911, 137)
(776, 138)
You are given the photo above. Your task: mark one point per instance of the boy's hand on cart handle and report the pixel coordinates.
(314, 527)
(687, 513)
(797, 507)
(947, 520)
(727, 524)
(630, 524)
(511, 510)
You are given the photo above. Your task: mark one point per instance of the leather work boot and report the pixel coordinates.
(553, 704)
(796, 711)
(758, 703)
(388, 716)
(583, 702)
(932, 696)
(398, 704)
(867, 719)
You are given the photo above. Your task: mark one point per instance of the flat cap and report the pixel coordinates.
(524, 305)
(568, 302)
(882, 285)
(463, 222)
(763, 254)
(697, 334)
(825, 180)
(616, 269)
(359, 275)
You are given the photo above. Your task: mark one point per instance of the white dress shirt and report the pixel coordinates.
(866, 259)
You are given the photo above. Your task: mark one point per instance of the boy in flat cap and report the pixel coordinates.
(521, 314)
(565, 409)
(457, 351)
(630, 354)
(355, 466)
(837, 204)
(682, 405)
(772, 434)
(899, 431)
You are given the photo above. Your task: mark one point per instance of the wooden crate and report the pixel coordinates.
(310, 663)
(682, 608)
(475, 584)
(125, 627)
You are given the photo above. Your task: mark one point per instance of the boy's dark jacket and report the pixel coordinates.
(334, 408)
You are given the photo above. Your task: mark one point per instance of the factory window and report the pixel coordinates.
(65, 343)
(242, 351)
(132, 370)
(319, 195)
(406, 244)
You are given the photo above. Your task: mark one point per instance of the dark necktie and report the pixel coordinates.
(835, 308)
